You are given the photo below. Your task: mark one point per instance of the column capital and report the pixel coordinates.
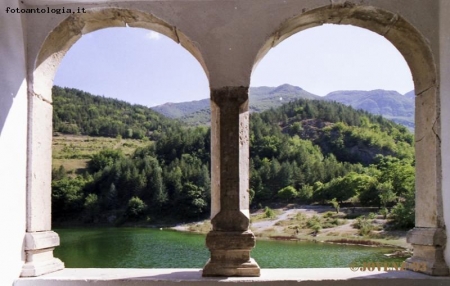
(230, 95)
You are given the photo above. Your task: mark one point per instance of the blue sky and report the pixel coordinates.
(144, 67)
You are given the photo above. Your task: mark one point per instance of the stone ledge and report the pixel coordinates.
(304, 277)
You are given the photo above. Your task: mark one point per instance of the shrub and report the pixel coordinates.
(403, 216)
(104, 158)
(269, 213)
(136, 207)
(313, 221)
(316, 228)
(288, 193)
(364, 225)
(305, 193)
(332, 222)
(300, 216)
(328, 214)
(384, 212)
(91, 207)
(366, 229)
(335, 204)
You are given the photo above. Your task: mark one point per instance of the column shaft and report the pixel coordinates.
(428, 237)
(39, 239)
(230, 240)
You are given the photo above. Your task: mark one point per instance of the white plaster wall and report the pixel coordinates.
(445, 114)
(13, 143)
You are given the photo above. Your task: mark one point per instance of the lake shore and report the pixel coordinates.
(318, 224)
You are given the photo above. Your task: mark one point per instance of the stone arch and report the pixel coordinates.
(60, 39)
(428, 237)
(39, 239)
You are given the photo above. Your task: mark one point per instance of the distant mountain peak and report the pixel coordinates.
(411, 94)
(389, 103)
(285, 88)
(376, 92)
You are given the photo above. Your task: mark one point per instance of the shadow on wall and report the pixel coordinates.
(12, 63)
(7, 98)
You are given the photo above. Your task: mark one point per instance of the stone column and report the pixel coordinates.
(230, 240)
(428, 237)
(39, 239)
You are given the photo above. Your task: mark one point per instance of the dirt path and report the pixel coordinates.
(309, 211)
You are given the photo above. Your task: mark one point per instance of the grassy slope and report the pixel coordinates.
(74, 151)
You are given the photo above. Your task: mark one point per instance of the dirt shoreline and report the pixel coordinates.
(282, 227)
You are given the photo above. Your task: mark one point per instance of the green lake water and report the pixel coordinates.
(154, 248)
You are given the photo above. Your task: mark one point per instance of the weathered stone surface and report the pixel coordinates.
(428, 260)
(230, 241)
(444, 92)
(40, 263)
(230, 254)
(428, 244)
(428, 167)
(427, 236)
(39, 164)
(247, 269)
(230, 149)
(39, 258)
(41, 240)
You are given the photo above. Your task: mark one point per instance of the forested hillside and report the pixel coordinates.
(318, 151)
(79, 112)
(305, 151)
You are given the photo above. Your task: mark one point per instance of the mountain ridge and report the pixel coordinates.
(388, 103)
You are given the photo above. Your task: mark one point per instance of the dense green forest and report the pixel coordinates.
(79, 112)
(306, 151)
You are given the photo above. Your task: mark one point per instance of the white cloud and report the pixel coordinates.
(152, 35)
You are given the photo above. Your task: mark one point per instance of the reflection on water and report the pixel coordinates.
(153, 248)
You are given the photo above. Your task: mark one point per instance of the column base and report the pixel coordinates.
(39, 248)
(246, 269)
(428, 257)
(33, 269)
(230, 254)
